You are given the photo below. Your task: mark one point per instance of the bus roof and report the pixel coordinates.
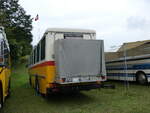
(62, 30)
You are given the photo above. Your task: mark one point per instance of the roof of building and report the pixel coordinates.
(132, 45)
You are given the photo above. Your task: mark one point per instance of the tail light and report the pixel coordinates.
(103, 77)
(54, 85)
(62, 79)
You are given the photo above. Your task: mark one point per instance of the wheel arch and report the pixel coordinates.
(37, 84)
(140, 71)
(1, 86)
(1, 89)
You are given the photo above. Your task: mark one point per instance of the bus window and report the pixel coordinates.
(34, 56)
(59, 36)
(1, 52)
(73, 36)
(38, 53)
(88, 36)
(6, 54)
(43, 49)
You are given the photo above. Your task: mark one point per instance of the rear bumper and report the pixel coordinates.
(73, 87)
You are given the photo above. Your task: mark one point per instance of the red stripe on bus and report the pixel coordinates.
(47, 63)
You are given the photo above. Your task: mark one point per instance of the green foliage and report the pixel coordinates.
(18, 26)
(24, 59)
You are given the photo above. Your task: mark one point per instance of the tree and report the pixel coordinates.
(18, 26)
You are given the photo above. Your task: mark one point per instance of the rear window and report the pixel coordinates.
(73, 35)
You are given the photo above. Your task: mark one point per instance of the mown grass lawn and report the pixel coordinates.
(24, 99)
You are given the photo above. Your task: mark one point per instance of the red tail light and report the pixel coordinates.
(103, 77)
(63, 80)
(54, 85)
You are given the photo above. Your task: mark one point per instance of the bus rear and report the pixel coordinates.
(74, 60)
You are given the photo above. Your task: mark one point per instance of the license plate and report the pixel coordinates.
(75, 79)
(94, 78)
(85, 78)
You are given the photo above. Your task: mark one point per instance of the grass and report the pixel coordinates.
(24, 99)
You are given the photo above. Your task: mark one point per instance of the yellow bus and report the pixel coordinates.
(4, 67)
(67, 60)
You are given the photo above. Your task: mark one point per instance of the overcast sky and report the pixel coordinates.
(115, 21)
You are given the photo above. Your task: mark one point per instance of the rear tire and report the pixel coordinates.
(37, 86)
(141, 78)
(9, 87)
(30, 81)
(1, 97)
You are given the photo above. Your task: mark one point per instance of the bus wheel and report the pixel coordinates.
(9, 87)
(30, 81)
(1, 97)
(141, 78)
(37, 86)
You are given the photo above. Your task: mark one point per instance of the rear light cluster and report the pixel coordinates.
(103, 77)
(62, 79)
(53, 85)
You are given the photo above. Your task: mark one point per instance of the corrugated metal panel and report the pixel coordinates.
(77, 57)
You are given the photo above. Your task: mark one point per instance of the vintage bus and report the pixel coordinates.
(66, 60)
(133, 68)
(4, 67)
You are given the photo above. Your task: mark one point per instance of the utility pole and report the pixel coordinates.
(125, 67)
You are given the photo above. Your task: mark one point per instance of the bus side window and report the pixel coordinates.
(6, 55)
(59, 36)
(38, 53)
(34, 56)
(1, 52)
(43, 49)
(87, 36)
(31, 59)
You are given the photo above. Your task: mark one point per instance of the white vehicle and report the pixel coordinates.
(67, 59)
(135, 68)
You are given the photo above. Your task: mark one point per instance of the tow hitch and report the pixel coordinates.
(108, 86)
